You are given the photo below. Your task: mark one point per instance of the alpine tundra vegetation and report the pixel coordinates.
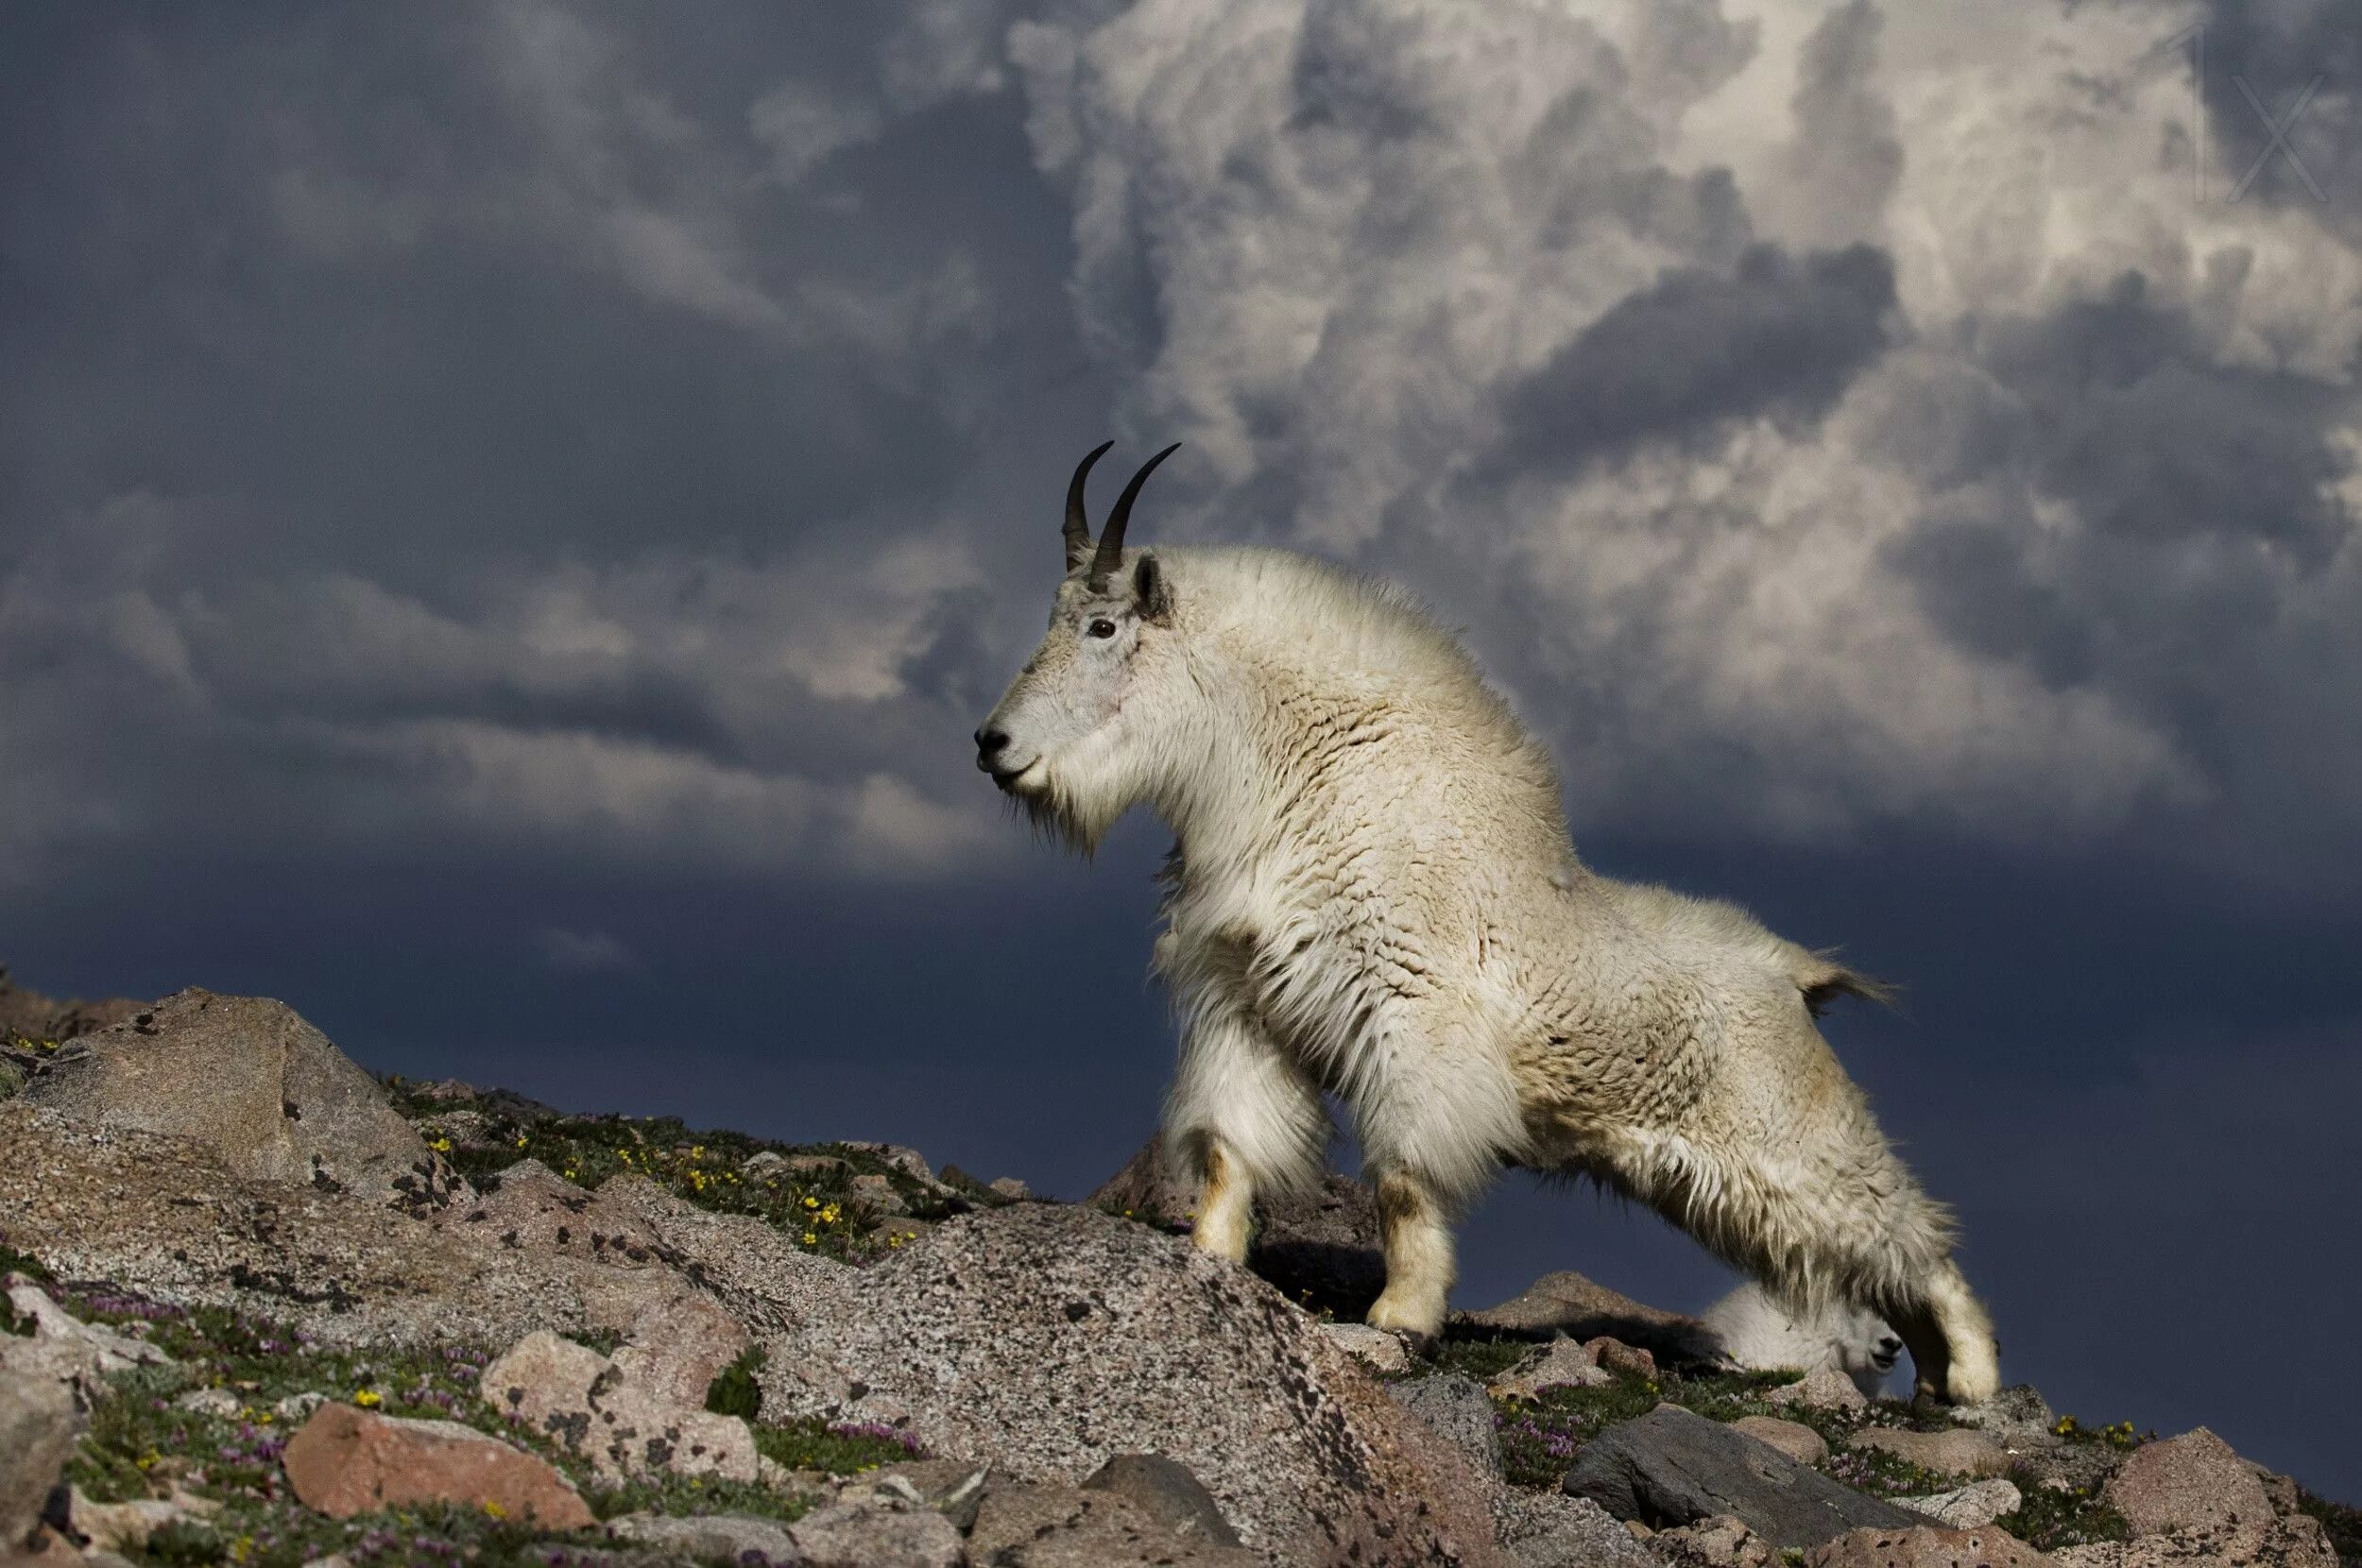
(1374, 895)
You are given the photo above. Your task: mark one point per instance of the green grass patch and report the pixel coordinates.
(807, 1192)
(734, 1391)
(2052, 1518)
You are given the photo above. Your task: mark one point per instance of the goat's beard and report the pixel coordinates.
(1058, 812)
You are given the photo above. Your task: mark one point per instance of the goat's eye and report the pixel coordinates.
(1102, 627)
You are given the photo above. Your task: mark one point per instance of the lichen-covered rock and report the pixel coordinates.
(347, 1461)
(1167, 1491)
(1374, 1348)
(64, 1349)
(1821, 1389)
(591, 1407)
(707, 1537)
(1926, 1546)
(1965, 1507)
(2191, 1499)
(1549, 1529)
(1719, 1541)
(1456, 1410)
(1674, 1467)
(1052, 1337)
(1958, 1452)
(38, 1426)
(1053, 1526)
(874, 1535)
(1561, 1363)
(250, 1079)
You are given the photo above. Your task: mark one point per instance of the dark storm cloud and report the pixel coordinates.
(2205, 515)
(1777, 335)
(2283, 89)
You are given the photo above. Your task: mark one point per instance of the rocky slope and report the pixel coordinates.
(260, 1307)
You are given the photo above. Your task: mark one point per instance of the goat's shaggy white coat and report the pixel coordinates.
(1756, 1332)
(1374, 896)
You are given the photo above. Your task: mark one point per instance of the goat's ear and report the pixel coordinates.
(1150, 592)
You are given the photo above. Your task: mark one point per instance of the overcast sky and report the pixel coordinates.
(509, 513)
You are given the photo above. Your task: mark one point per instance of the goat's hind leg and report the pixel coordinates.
(1419, 1262)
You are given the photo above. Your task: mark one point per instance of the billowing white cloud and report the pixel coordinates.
(1798, 537)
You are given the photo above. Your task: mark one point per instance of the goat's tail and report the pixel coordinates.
(1822, 979)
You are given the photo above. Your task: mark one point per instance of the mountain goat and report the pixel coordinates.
(1374, 895)
(1755, 1331)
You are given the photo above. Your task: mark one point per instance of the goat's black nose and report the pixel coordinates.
(989, 742)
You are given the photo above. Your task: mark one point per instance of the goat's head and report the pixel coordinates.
(1056, 741)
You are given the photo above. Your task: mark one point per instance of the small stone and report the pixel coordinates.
(1926, 1546)
(875, 1535)
(1795, 1440)
(125, 1526)
(347, 1461)
(38, 1428)
(1965, 1507)
(726, 1537)
(298, 1408)
(1620, 1359)
(952, 1487)
(1549, 1529)
(1562, 1363)
(1374, 1348)
(1961, 1451)
(1454, 1409)
(1055, 1526)
(1823, 1388)
(210, 1402)
(1720, 1541)
(877, 1194)
(1169, 1492)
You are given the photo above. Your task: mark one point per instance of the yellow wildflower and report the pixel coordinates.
(812, 1203)
(811, 1240)
(493, 1511)
(369, 1399)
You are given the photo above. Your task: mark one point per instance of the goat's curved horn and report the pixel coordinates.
(1111, 538)
(1078, 526)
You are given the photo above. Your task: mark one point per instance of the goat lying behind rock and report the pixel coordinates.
(1758, 1333)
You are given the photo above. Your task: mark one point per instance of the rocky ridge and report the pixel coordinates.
(260, 1307)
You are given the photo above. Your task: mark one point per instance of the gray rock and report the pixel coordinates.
(212, 1402)
(1318, 1249)
(62, 1346)
(593, 1406)
(38, 1427)
(1821, 1389)
(1958, 1452)
(1671, 1466)
(1561, 1363)
(1569, 1303)
(1166, 1491)
(1549, 1529)
(1053, 1527)
(1798, 1442)
(1965, 1507)
(1374, 1348)
(1052, 1337)
(247, 1077)
(727, 1536)
(1456, 1410)
(869, 1535)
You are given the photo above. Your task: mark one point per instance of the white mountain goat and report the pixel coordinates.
(1374, 895)
(1755, 1331)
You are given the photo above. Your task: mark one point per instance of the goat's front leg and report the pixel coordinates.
(1419, 1264)
(1242, 1118)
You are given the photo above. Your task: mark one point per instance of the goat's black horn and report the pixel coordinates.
(1111, 538)
(1078, 526)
